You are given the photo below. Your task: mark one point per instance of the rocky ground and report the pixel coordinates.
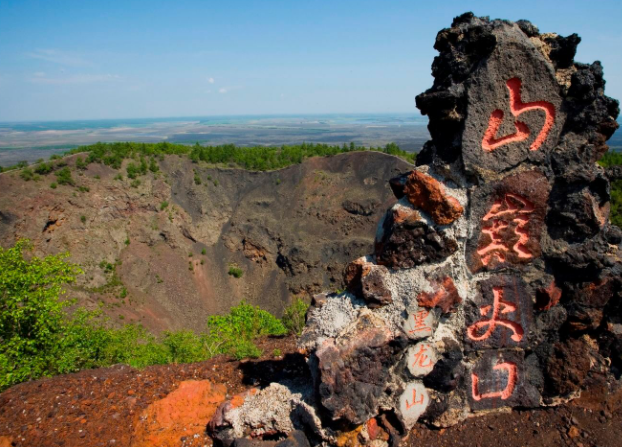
(159, 252)
(169, 406)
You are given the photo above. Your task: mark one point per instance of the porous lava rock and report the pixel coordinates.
(503, 271)
(427, 193)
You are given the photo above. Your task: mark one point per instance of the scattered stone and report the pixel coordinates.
(427, 194)
(445, 296)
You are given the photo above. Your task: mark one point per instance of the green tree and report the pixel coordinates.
(32, 317)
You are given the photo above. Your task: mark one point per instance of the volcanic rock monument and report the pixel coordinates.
(496, 280)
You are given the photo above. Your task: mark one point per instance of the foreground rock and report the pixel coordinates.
(496, 279)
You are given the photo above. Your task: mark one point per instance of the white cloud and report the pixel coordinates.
(59, 57)
(41, 78)
(210, 80)
(39, 74)
(223, 90)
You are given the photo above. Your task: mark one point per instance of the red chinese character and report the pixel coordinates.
(505, 393)
(511, 209)
(421, 358)
(518, 107)
(415, 401)
(420, 317)
(498, 308)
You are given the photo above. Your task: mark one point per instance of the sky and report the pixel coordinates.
(88, 59)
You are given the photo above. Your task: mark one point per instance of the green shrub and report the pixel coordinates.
(43, 168)
(63, 177)
(40, 338)
(83, 218)
(26, 174)
(608, 160)
(163, 205)
(294, 316)
(135, 183)
(203, 252)
(234, 333)
(235, 271)
(80, 164)
(153, 166)
(32, 321)
(53, 185)
(83, 188)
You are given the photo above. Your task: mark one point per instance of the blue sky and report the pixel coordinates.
(131, 58)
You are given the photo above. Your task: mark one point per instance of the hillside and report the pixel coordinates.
(159, 250)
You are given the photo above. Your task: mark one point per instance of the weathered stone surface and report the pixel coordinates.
(503, 379)
(445, 296)
(500, 315)
(355, 369)
(279, 409)
(427, 194)
(367, 280)
(407, 241)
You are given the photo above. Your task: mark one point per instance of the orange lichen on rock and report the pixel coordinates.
(184, 412)
(427, 194)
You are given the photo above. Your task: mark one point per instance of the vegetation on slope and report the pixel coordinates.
(144, 156)
(614, 159)
(39, 336)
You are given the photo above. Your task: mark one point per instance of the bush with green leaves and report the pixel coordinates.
(34, 338)
(63, 177)
(235, 271)
(40, 337)
(608, 160)
(234, 333)
(294, 316)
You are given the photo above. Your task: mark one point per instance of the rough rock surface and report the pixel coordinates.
(504, 273)
(291, 232)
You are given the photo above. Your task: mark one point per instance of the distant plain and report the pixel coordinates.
(30, 141)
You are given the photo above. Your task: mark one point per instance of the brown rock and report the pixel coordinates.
(445, 296)
(375, 291)
(184, 412)
(427, 194)
(547, 297)
(407, 241)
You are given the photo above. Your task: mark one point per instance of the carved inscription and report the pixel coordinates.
(512, 210)
(413, 402)
(420, 324)
(421, 359)
(512, 376)
(495, 311)
(522, 131)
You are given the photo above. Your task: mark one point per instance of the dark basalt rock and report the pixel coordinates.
(355, 371)
(407, 242)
